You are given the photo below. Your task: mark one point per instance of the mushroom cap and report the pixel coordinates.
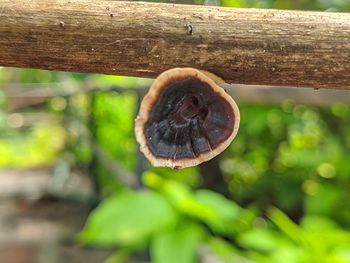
(185, 119)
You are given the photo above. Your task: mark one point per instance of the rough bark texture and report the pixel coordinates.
(250, 46)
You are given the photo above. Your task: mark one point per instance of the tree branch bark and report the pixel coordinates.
(248, 46)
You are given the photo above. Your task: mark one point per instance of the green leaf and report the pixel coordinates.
(226, 211)
(263, 240)
(180, 196)
(120, 256)
(286, 225)
(226, 251)
(219, 213)
(316, 223)
(128, 218)
(177, 245)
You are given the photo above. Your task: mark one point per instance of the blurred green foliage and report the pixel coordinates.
(287, 172)
(329, 5)
(322, 5)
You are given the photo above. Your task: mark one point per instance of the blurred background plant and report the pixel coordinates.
(278, 194)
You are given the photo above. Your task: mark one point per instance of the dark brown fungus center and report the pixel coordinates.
(189, 108)
(188, 119)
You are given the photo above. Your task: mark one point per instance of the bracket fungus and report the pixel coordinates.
(185, 119)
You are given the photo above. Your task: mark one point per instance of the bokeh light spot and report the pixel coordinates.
(326, 170)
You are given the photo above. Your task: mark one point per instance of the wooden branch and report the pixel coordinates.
(249, 46)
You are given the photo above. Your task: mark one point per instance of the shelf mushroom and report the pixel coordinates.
(185, 119)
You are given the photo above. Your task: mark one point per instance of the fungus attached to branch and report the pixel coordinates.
(185, 119)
